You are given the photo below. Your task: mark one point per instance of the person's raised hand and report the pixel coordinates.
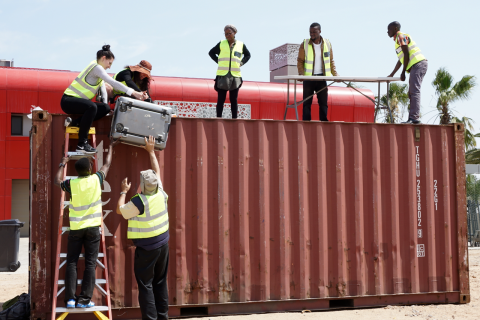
(114, 142)
(149, 144)
(65, 160)
(126, 185)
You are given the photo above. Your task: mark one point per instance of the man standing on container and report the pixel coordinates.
(414, 62)
(85, 217)
(148, 228)
(315, 58)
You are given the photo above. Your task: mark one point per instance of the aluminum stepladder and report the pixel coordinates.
(72, 133)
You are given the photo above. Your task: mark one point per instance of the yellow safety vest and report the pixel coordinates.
(80, 87)
(308, 65)
(153, 221)
(414, 52)
(227, 61)
(85, 203)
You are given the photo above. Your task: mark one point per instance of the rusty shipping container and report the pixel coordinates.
(278, 215)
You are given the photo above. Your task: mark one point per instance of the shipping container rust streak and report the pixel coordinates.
(281, 215)
(40, 217)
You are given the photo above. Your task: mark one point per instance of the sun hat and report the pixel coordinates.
(144, 67)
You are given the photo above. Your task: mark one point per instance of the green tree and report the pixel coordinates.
(473, 156)
(473, 188)
(473, 197)
(470, 142)
(397, 100)
(447, 92)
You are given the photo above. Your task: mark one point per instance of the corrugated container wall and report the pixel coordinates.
(279, 215)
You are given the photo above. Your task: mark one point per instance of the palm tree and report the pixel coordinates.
(398, 102)
(447, 92)
(473, 156)
(470, 142)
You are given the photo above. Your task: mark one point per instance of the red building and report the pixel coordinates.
(22, 88)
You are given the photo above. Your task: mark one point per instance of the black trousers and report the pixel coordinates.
(89, 238)
(222, 95)
(150, 269)
(90, 111)
(308, 88)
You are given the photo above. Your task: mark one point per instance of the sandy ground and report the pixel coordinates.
(15, 283)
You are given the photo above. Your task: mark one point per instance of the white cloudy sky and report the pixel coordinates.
(175, 36)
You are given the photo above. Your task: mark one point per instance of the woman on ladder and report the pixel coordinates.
(77, 99)
(229, 77)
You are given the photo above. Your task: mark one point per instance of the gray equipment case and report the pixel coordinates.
(133, 120)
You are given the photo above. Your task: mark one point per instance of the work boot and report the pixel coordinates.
(411, 121)
(85, 147)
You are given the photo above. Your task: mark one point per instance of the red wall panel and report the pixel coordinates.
(250, 95)
(3, 100)
(364, 108)
(196, 90)
(16, 173)
(3, 126)
(3, 78)
(50, 101)
(23, 79)
(17, 153)
(3, 154)
(273, 97)
(169, 89)
(2, 181)
(344, 104)
(21, 101)
(56, 81)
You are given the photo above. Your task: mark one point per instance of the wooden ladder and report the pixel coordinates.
(72, 133)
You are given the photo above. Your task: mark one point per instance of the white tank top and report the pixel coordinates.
(318, 67)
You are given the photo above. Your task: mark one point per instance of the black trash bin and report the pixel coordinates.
(10, 243)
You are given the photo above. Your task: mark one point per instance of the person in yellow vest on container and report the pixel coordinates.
(315, 58)
(85, 215)
(228, 54)
(136, 77)
(148, 228)
(414, 62)
(77, 98)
